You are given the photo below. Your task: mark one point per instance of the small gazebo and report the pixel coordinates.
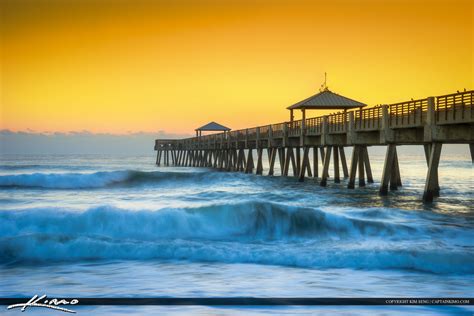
(324, 100)
(211, 127)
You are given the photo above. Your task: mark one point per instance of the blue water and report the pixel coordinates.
(120, 226)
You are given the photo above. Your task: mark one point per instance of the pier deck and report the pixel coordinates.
(430, 122)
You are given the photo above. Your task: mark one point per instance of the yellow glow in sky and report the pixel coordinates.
(119, 66)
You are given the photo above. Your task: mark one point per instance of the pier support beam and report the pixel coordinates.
(305, 167)
(195, 157)
(432, 183)
(208, 158)
(325, 174)
(175, 157)
(221, 165)
(271, 160)
(354, 161)
(259, 161)
(387, 169)
(308, 165)
(185, 157)
(395, 179)
(321, 151)
(181, 157)
(342, 154)
(293, 161)
(240, 160)
(368, 169)
(249, 166)
(228, 159)
(298, 161)
(471, 148)
(202, 158)
(360, 162)
(158, 157)
(391, 171)
(315, 162)
(286, 165)
(214, 158)
(361, 167)
(190, 159)
(335, 150)
(232, 160)
(290, 158)
(281, 158)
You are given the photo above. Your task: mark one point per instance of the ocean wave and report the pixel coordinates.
(249, 232)
(98, 179)
(46, 249)
(244, 220)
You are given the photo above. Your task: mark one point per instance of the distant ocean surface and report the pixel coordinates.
(118, 226)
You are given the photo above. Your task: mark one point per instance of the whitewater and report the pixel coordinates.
(102, 226)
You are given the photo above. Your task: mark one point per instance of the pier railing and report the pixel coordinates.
(337, 122)
(448, 109)
(408, 114)
(456, 107)
(314, 125)
(278, 130)
(368, 119)
(294, 128)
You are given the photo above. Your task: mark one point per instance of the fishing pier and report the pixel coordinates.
(430, 122)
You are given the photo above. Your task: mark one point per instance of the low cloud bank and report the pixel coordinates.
(83, 142)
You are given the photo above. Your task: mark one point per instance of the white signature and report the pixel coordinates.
(41, 301)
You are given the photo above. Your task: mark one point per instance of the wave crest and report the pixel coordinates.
(95, 180)
(250, 232)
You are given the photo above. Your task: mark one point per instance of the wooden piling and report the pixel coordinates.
(282, 160)
(395, 178)
(368, 169)
(342, 155)
(293, 161)
(325, 174)
(361, 166)
(471, 149)
(321, 150)
(259, 161)
(286, 166)
(315, 162)
(308, 165)
(249, 165)
(298, 161)
(158, 157)
(272, 158)
(336, 164)
(354, 162)
(432, 175)
(387, 169)
(304, 164)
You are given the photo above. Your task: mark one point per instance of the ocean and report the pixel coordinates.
(119, 226)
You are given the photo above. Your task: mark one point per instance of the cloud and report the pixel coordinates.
(79, 142)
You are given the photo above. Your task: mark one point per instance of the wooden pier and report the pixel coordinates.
(430, 122)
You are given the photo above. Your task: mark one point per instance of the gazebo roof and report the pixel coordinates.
(325, 100)
(213, 126)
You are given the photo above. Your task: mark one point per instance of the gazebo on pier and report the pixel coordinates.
(211, 127)
(328, 100)
(324, 100)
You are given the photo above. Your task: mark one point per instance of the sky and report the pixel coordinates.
(142, 66)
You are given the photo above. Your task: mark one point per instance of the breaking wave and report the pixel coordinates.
(249, 232)
(98, 179)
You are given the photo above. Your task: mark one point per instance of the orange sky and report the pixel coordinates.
(118, 66)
